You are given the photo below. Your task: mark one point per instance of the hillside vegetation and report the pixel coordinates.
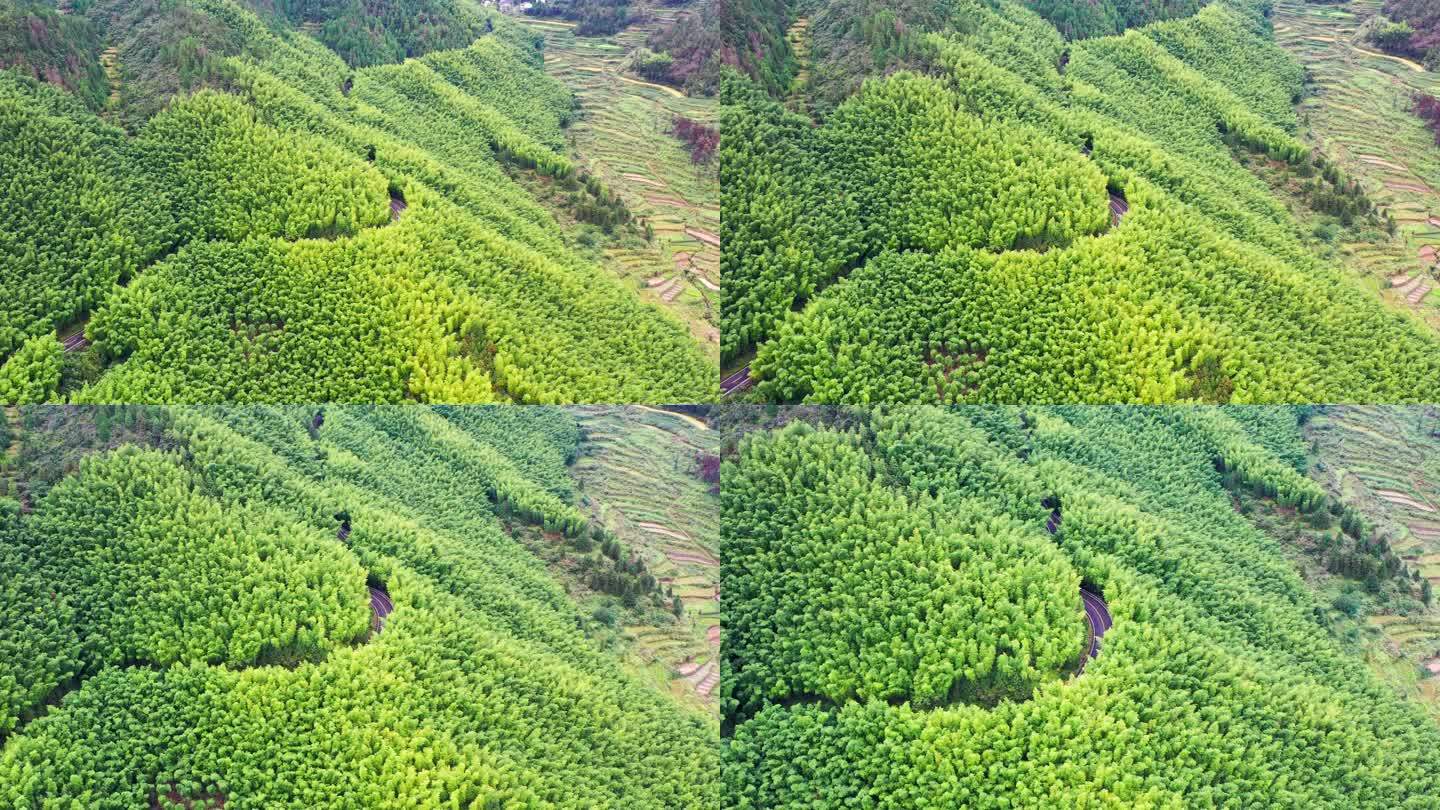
(904, 622)
(1410, 28)
(38, 41)
(1362, 107)
(650, 476)
(1385, 462)
(1018, 218)
(277, 607)
(627, 136)
(276, 226)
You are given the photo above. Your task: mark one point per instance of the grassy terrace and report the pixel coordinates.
(636, 474)
(622, 137)
(1358, 115)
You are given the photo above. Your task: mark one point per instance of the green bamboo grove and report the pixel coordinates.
(293, 229)
(186, 623)
(938, 665)
(1036, 220)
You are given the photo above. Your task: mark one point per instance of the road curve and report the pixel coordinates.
(1097, 615)
(380, 605)
(1119, 207)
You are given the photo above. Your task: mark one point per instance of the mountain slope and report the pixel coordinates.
(270, 608)
(923, 267)
(394, 258)
(946, 664)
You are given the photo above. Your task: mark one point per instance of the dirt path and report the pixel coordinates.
(672, 91)
(1406, 62)
(682, 557)
(642, 179)
(682, 416)
(1375, 161)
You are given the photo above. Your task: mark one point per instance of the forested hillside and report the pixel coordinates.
(249, 218)
(691, 46)
(1018, 218)
(1055, 607)
(753, 40)
(371, 32)
(290, 607)
(38, 41)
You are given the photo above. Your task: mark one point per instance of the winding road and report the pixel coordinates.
(380, 606)
(1119, 207)
(1097, 615)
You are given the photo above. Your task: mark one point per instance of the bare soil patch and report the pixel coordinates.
(704, 236)
(1404, 500)
(1375, 160)
(1419, 189)
(640, 178)
(658, 529)
(689, 557)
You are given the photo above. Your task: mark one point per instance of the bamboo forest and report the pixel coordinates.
(1032, 201)
(219, 201)
(365, 606)
(1128, 607)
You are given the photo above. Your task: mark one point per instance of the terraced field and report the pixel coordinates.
(637, 474)
(9, 480)
(623, 137)
(1358, 116)
(1386, 462)
(798, 37)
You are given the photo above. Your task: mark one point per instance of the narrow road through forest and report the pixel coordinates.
(76, 341)
(737, 382)
(1097, 615)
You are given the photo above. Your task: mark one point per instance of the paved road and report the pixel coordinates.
(1119, 207)
(737, 382)
(1098, 616)
(381, 606)
(75, 342)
